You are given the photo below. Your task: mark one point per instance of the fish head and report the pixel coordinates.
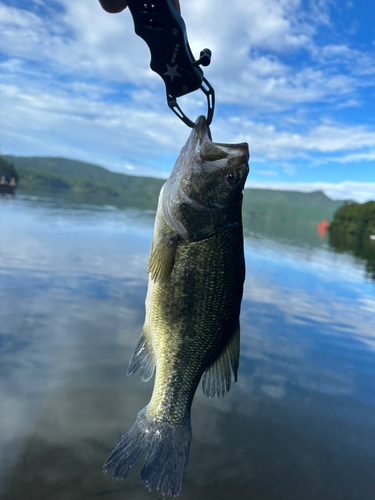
(204, 191)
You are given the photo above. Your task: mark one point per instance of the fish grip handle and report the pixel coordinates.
(163, 29)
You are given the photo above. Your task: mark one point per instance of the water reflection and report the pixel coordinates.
(298, 425)
(289, 232)
(360, 246)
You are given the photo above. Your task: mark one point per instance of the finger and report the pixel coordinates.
(114, 6)
(176, 3)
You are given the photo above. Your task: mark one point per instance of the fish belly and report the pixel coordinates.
(191, 316)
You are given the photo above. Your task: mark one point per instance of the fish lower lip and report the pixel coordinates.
(201, 129)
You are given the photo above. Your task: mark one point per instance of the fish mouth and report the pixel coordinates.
(199, 157)
(214, 153)
(200, 134)
(201, 129)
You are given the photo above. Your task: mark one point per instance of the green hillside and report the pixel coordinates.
(30, 178)
(355, 218)
(7, 170)
(138, 191)
(265, 204)
(288, 205)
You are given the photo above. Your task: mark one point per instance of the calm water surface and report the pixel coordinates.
(300, 423)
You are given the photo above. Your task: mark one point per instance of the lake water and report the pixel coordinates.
(298, 425)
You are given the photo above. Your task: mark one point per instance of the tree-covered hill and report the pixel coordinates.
(289, 205)
(138, 191)
(31, 178)
(355, 218)
(7, 169)
(266, 204)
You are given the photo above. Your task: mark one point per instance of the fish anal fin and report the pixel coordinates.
(143, 358)
(217, 378)
(162, 257)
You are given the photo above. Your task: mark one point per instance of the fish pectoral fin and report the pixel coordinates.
(217, 378)
(143, 357)
(162, 257)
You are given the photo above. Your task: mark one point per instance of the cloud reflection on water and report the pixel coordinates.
(298, 425)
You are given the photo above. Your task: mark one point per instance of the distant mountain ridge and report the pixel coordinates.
(138, 191)
(62, 173)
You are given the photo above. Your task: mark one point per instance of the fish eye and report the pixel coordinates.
(232, 176)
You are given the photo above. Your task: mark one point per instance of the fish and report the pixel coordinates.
(191, 331)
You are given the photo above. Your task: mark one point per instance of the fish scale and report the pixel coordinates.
(191, 331)
(208, 325)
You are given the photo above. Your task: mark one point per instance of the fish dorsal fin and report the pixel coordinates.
(143, 357)
(162, 256)
(217, 378)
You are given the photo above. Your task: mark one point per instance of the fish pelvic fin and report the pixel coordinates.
(143, 358)
(162, 257)
(217, 378)
(165, 463)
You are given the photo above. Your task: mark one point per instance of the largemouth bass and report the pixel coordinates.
(194, 295)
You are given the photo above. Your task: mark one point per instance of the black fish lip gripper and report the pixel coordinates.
(164, 31)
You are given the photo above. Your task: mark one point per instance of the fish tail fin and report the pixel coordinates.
(166, 460)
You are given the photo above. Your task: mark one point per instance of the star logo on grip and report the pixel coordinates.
(171, 71)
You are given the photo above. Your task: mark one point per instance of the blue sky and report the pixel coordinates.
(294, 78)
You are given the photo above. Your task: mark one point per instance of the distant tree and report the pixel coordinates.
(7, 169)
(355, 218)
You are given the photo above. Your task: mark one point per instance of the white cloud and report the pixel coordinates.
(85, 124)
(355, 157)
(83, 40)
(259, 89)
(266, 24)
(361, 63)
(266, 141)
(66, 74)
(244, 74)
(269, 173)
(68, 44)
(269, 142)
(58, 124)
